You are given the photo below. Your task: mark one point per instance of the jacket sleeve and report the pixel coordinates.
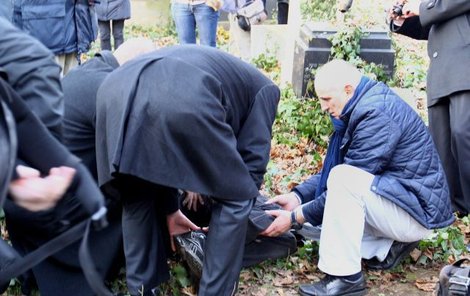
(306, 190)
(39, 149)
(437, 11)
(412, 28)
(34, 75)
(254, 137)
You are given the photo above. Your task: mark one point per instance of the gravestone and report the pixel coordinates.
(312, 49)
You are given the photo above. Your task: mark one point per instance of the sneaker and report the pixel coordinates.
(190, 246)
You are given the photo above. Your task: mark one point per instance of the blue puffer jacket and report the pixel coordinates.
(386, 138)
(63, 26)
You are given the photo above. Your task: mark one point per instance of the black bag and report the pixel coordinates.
(454, 279)
(252, 13)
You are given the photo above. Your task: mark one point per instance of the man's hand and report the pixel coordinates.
(36, 193)
(178, 223)
(288, 201)
(281, 224)
(408, 9)
(191, 200)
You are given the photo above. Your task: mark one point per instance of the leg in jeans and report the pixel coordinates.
(144, 249)
(206, 22)
(105, 34)
(118, 33)
(224, 247)
(185, 22)
(350, 210)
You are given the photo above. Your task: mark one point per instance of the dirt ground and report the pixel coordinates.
(410, 281)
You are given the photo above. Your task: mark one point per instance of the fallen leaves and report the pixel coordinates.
(427, 284)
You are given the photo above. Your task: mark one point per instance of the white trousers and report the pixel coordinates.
(358, 223)
(66, 61)
(240, 41)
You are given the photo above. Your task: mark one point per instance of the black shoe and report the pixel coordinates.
(397, 253)
(335, 286)
(191, 248)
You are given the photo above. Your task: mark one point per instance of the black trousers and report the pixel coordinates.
(224, 248)
(449, 123)
(282, 12)
(105, 33)
(257, 248)
(145, 234)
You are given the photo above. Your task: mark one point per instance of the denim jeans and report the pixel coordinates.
(187, 17)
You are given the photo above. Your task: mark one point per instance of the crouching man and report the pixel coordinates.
(382, 187)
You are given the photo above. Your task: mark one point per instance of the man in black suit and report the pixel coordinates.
(446, 26)
(193, 118)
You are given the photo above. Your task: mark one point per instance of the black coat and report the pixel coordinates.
(188, 117)
(33, 73)
(59, 274)
(80, 86)
(446, 26)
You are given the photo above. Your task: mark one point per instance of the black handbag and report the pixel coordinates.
(454, 279)
(252, 13)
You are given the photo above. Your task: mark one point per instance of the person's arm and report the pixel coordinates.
(437, 11)
(254, 137)
(411, 27)
(306, 190)
(41, 151)
(39, 193)
(34, 74)
(373, 143)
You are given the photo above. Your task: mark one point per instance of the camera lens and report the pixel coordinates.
(398, 9)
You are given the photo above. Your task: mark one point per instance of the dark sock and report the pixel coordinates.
(352, 277)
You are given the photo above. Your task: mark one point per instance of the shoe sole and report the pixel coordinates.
(397, 261)
(194, 264)
(353, 293)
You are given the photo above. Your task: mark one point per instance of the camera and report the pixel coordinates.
(398, 9)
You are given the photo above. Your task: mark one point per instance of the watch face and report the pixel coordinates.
(294, 224)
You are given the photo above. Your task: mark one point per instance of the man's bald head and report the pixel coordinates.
(133, 48)
(335, 76)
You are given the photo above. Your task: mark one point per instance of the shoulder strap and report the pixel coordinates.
(82, 229)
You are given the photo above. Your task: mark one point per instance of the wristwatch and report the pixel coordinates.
(294, 224)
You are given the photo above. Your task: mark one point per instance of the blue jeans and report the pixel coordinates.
(187, 17)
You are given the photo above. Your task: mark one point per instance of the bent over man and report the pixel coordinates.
(193, 118)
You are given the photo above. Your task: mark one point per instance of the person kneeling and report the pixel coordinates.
(382, 187)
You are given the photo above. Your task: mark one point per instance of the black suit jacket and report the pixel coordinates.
(446, 26)
(188, 117)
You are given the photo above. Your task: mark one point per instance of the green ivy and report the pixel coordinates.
(318, 10)
(300, 118)
(345, 45)
(267, 62)
(444, 243)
